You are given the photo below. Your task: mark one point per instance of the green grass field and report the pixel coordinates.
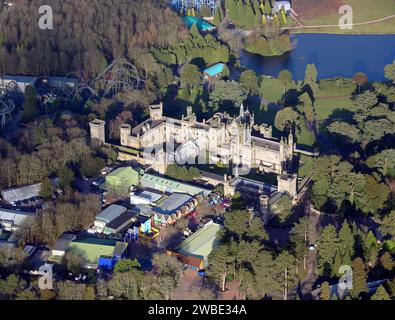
(324, 12)
(271, 89)
(334, 94)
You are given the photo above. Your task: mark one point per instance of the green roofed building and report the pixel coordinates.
(172, 186)
(194, 251)
(121, 178)
(95, 248)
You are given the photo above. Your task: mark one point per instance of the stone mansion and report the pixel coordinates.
(231, 140)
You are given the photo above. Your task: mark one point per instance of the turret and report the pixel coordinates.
(241, 109)
(156, 111)
(125, 132)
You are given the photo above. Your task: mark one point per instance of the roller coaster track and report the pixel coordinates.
(119, 75)
(7, 106)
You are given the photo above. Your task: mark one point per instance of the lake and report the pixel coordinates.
(333, 55)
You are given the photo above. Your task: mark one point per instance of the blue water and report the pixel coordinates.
(333, 55)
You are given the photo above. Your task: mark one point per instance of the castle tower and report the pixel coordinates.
(264, 208)
(97, 130)
(156, 111)
(287, 184)
(125, 132)
(282, 156)
(241, 110)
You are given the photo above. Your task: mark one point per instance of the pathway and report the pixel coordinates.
(302, 26)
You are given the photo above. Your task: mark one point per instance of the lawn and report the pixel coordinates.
(334, 94)
(305, 166)
(324, 12)
(271, 89)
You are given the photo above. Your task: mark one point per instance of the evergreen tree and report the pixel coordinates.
(310, 78)
(263, 20)
(380, 294)
(283, 17)
(30, 105)
(46, 188)
(336, 265)
(327, 250)
(268, 8)
(371, 249)
(359, 277)
(325, 291)
(346, 240)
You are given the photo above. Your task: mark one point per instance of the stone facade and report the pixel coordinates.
(223, 138)
(97, 130)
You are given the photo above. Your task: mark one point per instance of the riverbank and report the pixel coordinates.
(369, 17)
(333, 55)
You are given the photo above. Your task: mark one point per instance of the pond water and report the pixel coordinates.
(333, 55)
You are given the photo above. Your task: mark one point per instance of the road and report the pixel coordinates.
(302, 26)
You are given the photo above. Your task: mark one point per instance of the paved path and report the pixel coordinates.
(302, 26)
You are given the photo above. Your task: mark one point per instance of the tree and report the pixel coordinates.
(389, 71)
(125, 285)
(285, 76)
(285, 116)
(91, 166)
(283, 208)
(359, 278)
(9, 287)
(30, 105)
(126, 265)
(380, 294)
(220, 263)
(363, 103)
(284, 272)
(310, 78)
(327, 250)
(375, 195)
(371, 249)
(47, 188)
(74, 261)
(360, 79)
(383, 162)
(387, 262)
(249, 81)
(307, 107)
(268, 8)
(225, 92)
(345, 130)
(387, 226)
(68, 290)
(190, 76)
(167, 266)
(65, 176)
(283, 17)
(299, 239)
(346, 240)
(325, 291)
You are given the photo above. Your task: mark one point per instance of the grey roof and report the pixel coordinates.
(19, 79)
(267, 144)
(17, 217)
(22, 193)
(173, 203)
(138, 130)
(143, 210)
(63, 243)
(122, 220)
(211, 175)
(110, 213)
